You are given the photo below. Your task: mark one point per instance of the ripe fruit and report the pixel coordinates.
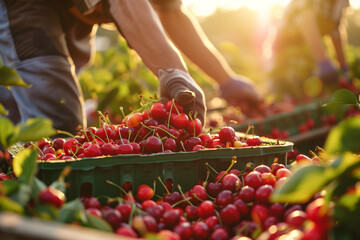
(52, 196)
(254, 141)
(226, 134)
(144, 192)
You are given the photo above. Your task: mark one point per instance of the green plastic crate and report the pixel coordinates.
(184, 168)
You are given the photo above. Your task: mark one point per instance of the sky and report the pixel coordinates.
(206, 7)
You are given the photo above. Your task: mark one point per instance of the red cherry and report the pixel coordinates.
(254, 141)
(259, 213)
(49, 156)
(200, 231)
(253, 179)
(194, 127)
(219, 234)
(231, 182)
(171, 218)
(170, 144)
(153, 145)
(268, 178)
(126, 231)
(94, 211)
(205, 209)
(125, 149)
(4, 176)
(283, 172)
(296, 218)
(230, 215)
(301, 158)
(52, 196)
(277, 210)
(144, 192)
(175, 106)
(262, 168)
(184, 230)
(247, 194)
(191, 212)
(226, 134)
(179, 120)
(92, 202)
(224, 198)
(262, 194)
(206, 139)
(135, 119)
(113, 217)
(242, 207)
(213, 189)
(158, 111)
(276, 166)
(93, 150)
(168, 235)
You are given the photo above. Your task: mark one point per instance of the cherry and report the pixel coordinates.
(211, 221)
(175, 106)
(113, 217)
(171, 218)
(206, 140)
(179, 120)
(126, 231)
(262, 194)
(173, 197)
(144, 192)
(148, 221)
(317, 211)
(147, 203)
(93, 150)
(92, 202)
(213, 189)
(155, 211)
(310, 123)
(125, 149)
(277, 210)
(226, 134)
(296, 218)
(191, 212)
(283, 172)
(231, 182)
(276, 166)
(184, 230)
(230, 215)
(43, 143)
(48, 149)
(136, 147)
(125, 210)
(254, 141)
(205, 209)
(109, 149)
(259, 213)
(170, 144)
(4, 176)
(262, 168)
(168, 235)
(70, 146)
(191, 142)
(194, 126)
(219, 234)
(158, 111)
(268, 178)
(270, 221)
(253, 179)
(200, 193)
(242, 207)
(200, 231)
(224, 198)
(49, 156)
(51, 196)
(197, 148)
(153, 145)
(135, 119)
(291, 209)
(303, 128)
(94, 211)
(301, 158)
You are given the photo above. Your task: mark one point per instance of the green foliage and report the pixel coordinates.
(32, 130)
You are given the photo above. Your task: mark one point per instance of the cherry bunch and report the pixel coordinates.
(234, 204)
(158, 128)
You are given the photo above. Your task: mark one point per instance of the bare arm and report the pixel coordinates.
(143, 31)
(187, 35)
(338, 39)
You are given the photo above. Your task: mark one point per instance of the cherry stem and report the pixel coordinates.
(181, 201)
(105, 119)
(233, 161)
(65, 133)
(209, 166)
(162, 183)
(183, 195)
(182, 145)
(133, 208)
(218, 216)
(114, 184)
(191, 118)
(124, 116)
(35, 146)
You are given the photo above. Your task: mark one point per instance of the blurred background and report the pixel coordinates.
(241, 30)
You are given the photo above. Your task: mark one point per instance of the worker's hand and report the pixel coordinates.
(240, 91)
(327, 72)
(175, 83)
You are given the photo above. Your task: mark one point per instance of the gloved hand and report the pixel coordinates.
(240, 91)
(175, 83)
(327, 72)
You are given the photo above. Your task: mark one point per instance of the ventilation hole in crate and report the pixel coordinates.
(168, 184)
(86, 189)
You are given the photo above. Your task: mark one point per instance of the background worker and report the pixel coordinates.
(305, 23)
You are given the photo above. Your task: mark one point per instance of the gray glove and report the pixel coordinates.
(175, 83)
(327, 72)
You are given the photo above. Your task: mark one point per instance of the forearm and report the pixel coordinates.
(187, 35)
(338, 39)
(142, 29)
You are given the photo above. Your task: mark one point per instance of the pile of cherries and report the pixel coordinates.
(234, 205)
(159, 128)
